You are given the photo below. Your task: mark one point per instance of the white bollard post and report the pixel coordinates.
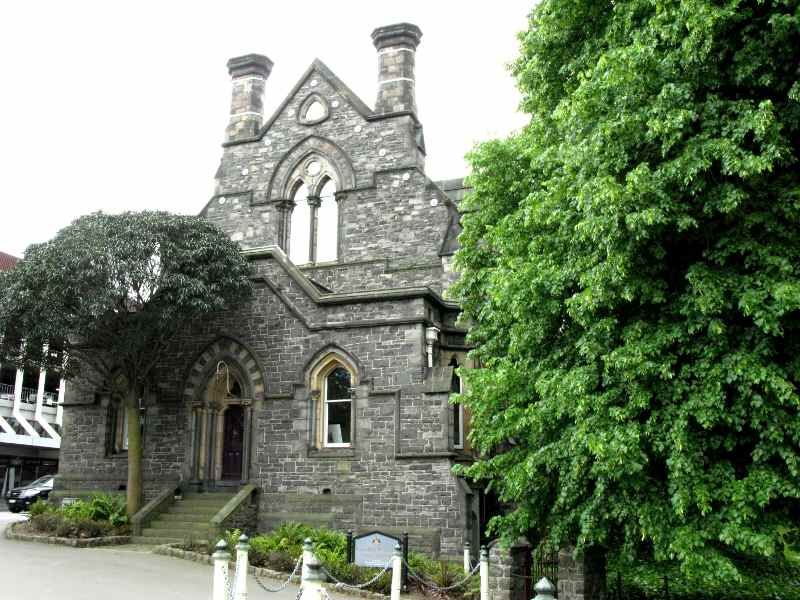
(311, 587)
(544, 589)
(484, 571)
(397, 572)
(307, 554)
(221, 557)
(467, 558)
(240, 577)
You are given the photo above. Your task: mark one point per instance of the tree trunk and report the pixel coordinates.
(134, 499)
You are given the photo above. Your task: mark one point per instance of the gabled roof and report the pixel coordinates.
(7, 262)
(337, 84)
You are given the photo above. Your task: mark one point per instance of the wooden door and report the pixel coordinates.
(233, 444)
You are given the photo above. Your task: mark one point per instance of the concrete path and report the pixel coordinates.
(32, 571)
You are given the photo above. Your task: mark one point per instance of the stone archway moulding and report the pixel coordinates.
(222, 349)
(333, 154)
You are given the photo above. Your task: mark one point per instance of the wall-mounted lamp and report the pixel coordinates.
(431, 338)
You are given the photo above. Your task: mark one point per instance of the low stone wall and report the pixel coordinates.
(112, 540)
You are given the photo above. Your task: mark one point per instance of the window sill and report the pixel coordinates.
(113, 455)
(349, 452)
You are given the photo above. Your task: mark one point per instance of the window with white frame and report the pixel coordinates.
(337, 414)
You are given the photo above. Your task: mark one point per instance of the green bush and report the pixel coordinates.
(337, 565)
(46, 522)
(102, 514)
(762, 579)
(41, 507)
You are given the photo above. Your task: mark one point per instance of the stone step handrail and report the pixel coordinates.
(154, 507)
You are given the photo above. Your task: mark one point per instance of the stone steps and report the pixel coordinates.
(157, 541)
(162, 524)
(176, 534)
(183, 519)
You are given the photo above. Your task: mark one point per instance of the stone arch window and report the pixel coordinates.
(337, 417)
(300, 228)
(117, 442)
(314, 220)
(333, 381)
(457, 409)
(327, 243)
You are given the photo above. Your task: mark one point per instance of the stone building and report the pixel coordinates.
(329, 390)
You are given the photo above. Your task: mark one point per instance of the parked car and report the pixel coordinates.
(22, 497)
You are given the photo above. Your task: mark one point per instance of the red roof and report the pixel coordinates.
(7, 262)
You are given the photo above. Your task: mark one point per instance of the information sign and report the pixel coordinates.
(373, 549)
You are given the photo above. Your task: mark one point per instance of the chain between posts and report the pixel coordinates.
(429, 584)
(281, 587)
(360, 586)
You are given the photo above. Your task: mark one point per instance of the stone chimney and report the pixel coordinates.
(397, 46)
(249, 74)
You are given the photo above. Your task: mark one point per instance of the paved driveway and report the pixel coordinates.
(32, 571)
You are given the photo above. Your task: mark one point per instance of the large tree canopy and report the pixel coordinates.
(111, 292)
(631, 273)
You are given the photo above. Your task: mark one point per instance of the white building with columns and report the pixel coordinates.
(30, 420)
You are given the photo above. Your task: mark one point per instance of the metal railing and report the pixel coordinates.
(28, 395)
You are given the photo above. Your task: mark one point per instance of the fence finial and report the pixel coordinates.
(484, 572)
(544, 589)
(221, 557)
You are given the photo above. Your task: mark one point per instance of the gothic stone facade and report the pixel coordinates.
(322, 381)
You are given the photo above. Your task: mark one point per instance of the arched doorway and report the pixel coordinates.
(221, 428)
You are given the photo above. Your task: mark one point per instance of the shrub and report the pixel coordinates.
(336, 564)
(46, 522)
(79, 509)
(762, 579)
(107, 507)
(41, 507)
(101, 515)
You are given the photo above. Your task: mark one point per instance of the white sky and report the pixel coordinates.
(114, 105)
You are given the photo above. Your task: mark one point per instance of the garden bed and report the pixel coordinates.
(102, 516)
(25, 533)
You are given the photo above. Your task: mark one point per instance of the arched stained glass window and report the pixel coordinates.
(457, 409)
(327, 223)
(300, 232)
(337, 418)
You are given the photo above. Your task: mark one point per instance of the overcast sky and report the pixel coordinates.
(123, 105)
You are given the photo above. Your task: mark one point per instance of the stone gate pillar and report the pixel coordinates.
(583, 578)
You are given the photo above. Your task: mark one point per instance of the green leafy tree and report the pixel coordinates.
(110, 293)
(631, 274)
